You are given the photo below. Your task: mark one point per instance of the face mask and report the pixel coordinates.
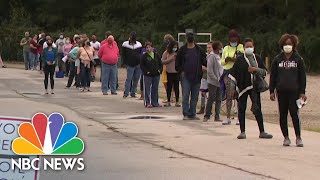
(190, 39)
(249, 51)
(110, 41)
(233, 44)
(220, 51)
(88, 44)
(174, 49)
(61, 37)
(287, 49)
(68, 42)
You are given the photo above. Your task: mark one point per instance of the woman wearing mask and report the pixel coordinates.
(85, 55)
(33, 55)
(229, 56)
(244, 72)
(288, 82)
(151, 67)
(167, 39)
(66, 49)
(74, 64)
(172, 75)
(49, 56)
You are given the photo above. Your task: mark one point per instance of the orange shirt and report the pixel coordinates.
(86, 55)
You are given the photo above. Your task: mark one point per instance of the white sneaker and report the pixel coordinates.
(226, 122)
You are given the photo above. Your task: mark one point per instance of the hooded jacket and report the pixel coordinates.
(131, 53)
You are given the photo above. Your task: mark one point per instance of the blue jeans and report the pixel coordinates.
(33, 60)
(26, 58)
(189, 106)
(85, 76)
(151, 90)
(133, 75)
(109, 72)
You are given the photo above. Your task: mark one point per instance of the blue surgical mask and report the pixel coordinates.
(174, 49)
(233, 44)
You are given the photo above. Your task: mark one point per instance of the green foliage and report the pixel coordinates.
(263, 20)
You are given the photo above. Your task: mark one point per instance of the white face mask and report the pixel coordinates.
(175, 49)
(234, 44)
(287, 49)
(220, 51)
(249, 51)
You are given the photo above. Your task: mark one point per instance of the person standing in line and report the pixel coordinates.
(85, 55)
(214, 73)
(229, 56)
(49, 56)
(288, 83)
(66, 49)
(167, 39)
(42, 40)
(25, 43)
(74, 64)
(96, 46)
(60, 43)
(1, 61)
(33, 55)
(189, 62)
(109, 55)
(169, 61)
(246, 72)
(45, 45)
(151, 67)
(131, 53)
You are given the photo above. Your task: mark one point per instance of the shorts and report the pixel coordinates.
(204, 86)
(164, 75)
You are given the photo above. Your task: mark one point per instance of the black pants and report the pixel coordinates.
(287, 102)
(41, 63)
(85, 76)
(173, 81)
(73, 75)
(242, 106)
(68, 64)
(48, 70)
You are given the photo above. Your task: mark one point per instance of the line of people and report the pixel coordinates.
(233, 73)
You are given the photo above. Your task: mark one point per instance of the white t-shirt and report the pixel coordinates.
(45, 45)
(95, 45)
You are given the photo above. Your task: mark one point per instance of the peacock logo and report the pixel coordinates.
(48, 136)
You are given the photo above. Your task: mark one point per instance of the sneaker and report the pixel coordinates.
(105, 93)
(185, 118)
(81, 89)
(67, 87)
(46, 92)
(52, 91)
(159, 106)
(237, 123)
(195, 118)
(242, 136)
(265, 135)
(89, 90)
(4, 66)
(217, 120)
(149, 106)
(299, 142)
(226, 122)
(125, 97)
(133, 96)
(167, 104)
(178, 104)
(286, 142)
(114, 93)
(206, 119)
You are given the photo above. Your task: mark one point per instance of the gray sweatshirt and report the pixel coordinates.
(214, 68)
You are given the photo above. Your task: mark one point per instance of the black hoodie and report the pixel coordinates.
(288, 75)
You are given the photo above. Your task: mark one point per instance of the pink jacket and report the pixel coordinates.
(67, 48)
(109, 55)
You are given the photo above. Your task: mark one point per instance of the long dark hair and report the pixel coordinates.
(171, 45)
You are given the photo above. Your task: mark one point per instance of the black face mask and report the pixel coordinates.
(88, 44)
(190, 39)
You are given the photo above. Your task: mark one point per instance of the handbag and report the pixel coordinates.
(260, 84)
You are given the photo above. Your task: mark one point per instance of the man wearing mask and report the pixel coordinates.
(189, 62)
(131, 54)
(60, 43)
(25, 43)
(96, 46)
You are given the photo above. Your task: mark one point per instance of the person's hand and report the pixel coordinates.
(272, 97)
(303, 97)
(53, 62)
(49, 63)
(252, 69)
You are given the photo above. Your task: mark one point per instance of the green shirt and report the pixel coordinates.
(151, 54)
(26, 47)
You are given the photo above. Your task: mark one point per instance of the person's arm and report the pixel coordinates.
(142, 64)
(160, 63)
(32, 46)
(165, 59)
(302, 77)
(203, 58)
(44, 56)
(100, 53)
(179, 59)
(273, 76)
(22, 42)
(210, 67)
(124, 56)
(224, 56)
